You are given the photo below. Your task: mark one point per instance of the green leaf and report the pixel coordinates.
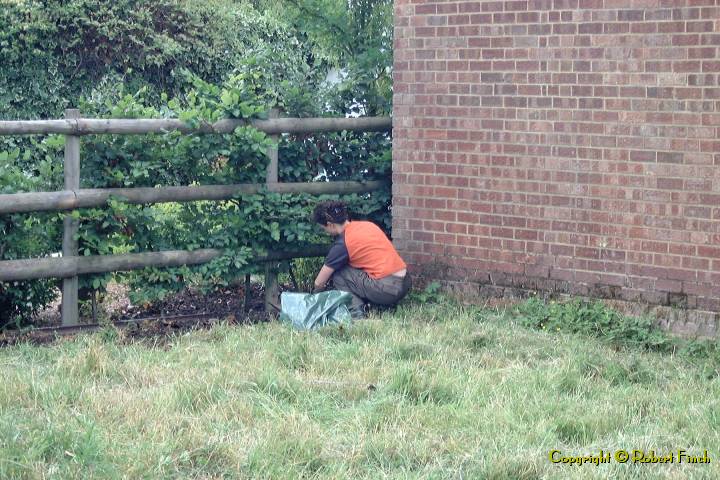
(275, 231)
(227, 98)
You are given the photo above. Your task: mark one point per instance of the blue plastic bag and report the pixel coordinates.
(308, 311)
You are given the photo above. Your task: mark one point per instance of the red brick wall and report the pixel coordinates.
(569, 145)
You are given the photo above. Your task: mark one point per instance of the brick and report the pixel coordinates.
(669, 157)
(577, 134)
(447, 8)
(665, 285)
(670, 183)
(425, 9)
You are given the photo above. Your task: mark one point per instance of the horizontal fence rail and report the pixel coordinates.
(71, 265)
(66, 267)
(85, 198)
(90, 126)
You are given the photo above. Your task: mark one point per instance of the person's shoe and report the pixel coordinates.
(359, 312)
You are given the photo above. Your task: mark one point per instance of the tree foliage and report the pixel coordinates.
(53, 52)
(352, 36)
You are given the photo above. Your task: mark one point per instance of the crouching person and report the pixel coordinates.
(361, 261)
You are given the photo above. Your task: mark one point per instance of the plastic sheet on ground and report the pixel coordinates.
(308, 311)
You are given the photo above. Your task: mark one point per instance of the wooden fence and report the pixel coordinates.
(70, 265)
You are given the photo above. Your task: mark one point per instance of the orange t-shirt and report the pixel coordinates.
(370, 250)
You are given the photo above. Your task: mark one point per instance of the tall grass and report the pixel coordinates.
(427, 391)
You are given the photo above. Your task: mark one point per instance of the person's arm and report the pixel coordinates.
(335, 260)
(323, 277)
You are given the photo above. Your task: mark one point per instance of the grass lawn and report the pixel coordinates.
(432, 391)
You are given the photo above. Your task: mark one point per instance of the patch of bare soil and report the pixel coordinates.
(220, 303)
(224, 303)
(157, 331)
(153, 323)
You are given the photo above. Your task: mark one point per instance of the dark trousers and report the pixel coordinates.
(384, 291)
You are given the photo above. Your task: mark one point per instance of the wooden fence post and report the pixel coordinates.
(247, 292)
(272, 171)
(70, 225)
(272, 290)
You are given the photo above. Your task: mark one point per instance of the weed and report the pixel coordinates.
(305, 270)
(595, 319)
(431, 294)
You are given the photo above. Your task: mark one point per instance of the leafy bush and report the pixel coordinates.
(245, 227)
(54, 52)
(24, 235)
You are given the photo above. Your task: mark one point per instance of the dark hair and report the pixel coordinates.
(330, 212)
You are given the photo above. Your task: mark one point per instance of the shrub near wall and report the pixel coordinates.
(566, 145)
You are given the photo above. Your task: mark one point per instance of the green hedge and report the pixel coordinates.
(188, 59)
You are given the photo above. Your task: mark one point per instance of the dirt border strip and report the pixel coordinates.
(145, 326)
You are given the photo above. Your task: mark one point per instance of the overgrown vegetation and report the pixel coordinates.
(23, 236)
(55, 52)
(432, 293)
(435, 390)
(595, 319)
(194, 61)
